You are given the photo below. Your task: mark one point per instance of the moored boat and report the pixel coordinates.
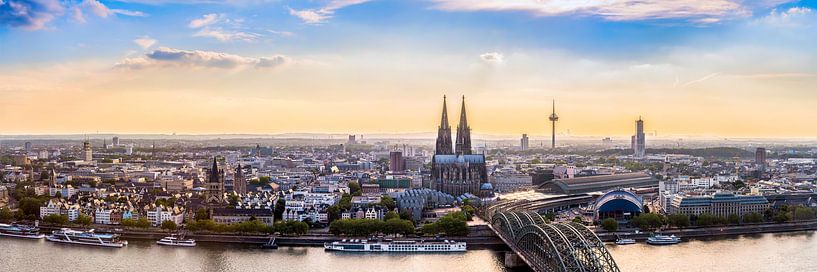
(176, 241)
(659, 239)
(90, 238)
(625, 241)
(354, 245)
(20, 231)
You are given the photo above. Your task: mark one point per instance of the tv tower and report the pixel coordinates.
(553, 118)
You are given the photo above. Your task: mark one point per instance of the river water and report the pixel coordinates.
(767, 252)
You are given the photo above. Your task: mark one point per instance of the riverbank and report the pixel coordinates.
(717, 231)
(478, 239)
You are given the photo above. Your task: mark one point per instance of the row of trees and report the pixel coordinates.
(366, 227)
(453, 224)
(252, 226)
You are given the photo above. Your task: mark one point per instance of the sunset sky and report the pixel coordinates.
(727, 68)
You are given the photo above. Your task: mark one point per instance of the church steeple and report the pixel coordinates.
(463, 144)
(444, 134)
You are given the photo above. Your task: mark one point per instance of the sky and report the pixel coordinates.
(723, 68)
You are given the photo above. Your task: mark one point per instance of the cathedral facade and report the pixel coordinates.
(455, 170)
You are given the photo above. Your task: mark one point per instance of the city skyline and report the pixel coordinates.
(269, 67)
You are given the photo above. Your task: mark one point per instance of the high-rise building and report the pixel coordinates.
(461, 172)
(87, 153)
(396, 162)
(351, 140)
(639, 142)
(115, 141)
(760, 159)
(239, 181)
(215, 186)
(524, 142)
(28, 147)
(553, 118)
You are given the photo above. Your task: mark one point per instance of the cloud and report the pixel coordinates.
(144, 42)
(205, 20)
(320, 15)
(793, 16)
(35, 14)
(492, 57)
(614, 10)
(226, 35)
(165, 57)
(29, 14)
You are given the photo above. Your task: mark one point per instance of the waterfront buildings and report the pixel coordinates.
(719, 204)
(233, 216)
(638, 140)
(457, 172)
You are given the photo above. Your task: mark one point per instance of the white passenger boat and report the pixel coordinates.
(20, 231)
(90, 238)
(659, 239)
(625, 241)
(176, 241)
(395, 246)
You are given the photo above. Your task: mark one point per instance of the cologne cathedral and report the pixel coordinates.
(454, 169)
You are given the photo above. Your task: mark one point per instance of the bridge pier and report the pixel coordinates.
(513, 261)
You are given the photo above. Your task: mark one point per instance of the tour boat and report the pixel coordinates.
(20, 231)
(174, 241)
(395, 246)
(90, 238)
(625, 241)
(659, 239)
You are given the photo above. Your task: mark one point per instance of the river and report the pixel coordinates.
(766, 252)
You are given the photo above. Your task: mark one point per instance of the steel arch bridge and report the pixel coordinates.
(552, 246)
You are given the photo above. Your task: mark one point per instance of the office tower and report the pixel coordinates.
(461, 172)
(28, 147)
(351, 140)
(524, 142)
(638, 140)
(115, 141)
(553, 118)
(396, 162)
(760, 159)
(87, 153)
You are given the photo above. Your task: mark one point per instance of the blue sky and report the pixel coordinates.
(369, 54)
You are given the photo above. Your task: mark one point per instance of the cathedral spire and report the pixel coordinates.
(444, 133)
(463, 144)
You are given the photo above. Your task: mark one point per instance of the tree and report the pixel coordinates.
(391, 215)
(58, 194)
(609, 224)
(388, 202)
(84, 220)
(733, 219)
(646, 209)
(752, 218)
(354, 188)
(453, 224)
(803, 213)
(201, 214)
(469, 211)
(56, 219)
(143, 223)
(647, 221)
(168, 225)
(578, 219)
(678, 220)
(333, 213)
(6, 215)
(128, 223)
(706, 219)
(280, 206)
